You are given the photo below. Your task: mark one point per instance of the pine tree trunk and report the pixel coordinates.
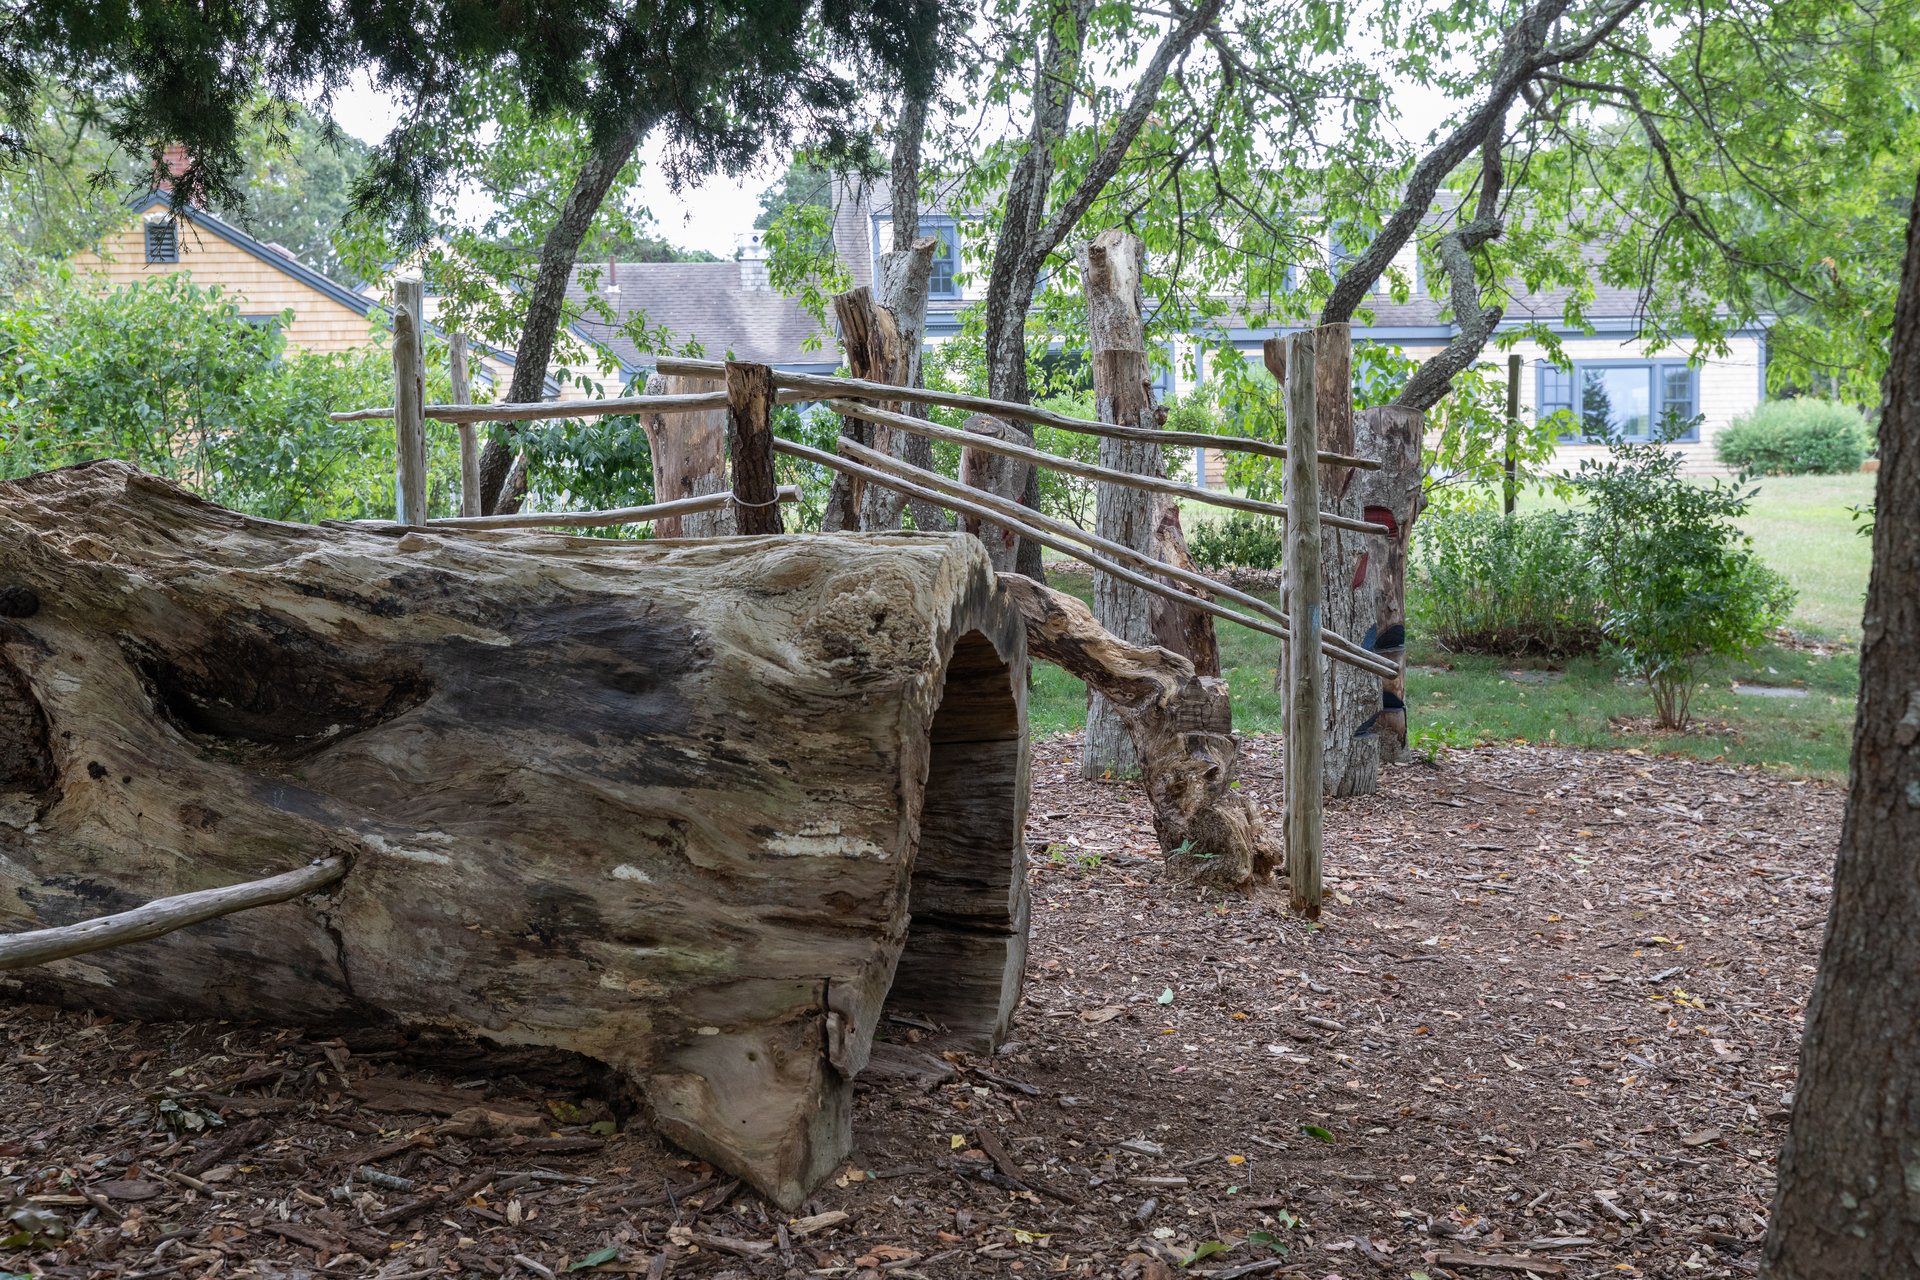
(1848, 1201)
(694, 811)
(502, 486)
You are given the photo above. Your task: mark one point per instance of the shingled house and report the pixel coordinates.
(1613, 379)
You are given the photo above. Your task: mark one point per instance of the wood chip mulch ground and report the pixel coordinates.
(1546, 1027)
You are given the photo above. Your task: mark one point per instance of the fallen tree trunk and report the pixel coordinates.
(694, 810)
(1182, 731)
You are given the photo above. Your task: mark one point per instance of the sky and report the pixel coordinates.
(712, 216)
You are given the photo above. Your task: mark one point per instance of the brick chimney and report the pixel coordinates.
(173, 162)
(752, 254)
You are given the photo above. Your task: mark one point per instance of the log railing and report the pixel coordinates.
(750, 394)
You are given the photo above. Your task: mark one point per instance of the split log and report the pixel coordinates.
(995, 474)
(689, 457)
(1182, 727)
(1391, 496)
(692, 810)
(1111, 265)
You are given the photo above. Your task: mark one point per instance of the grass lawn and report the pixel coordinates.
(1800, 525)
(1803, 527)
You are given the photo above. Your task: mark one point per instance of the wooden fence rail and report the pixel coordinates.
(1011, 513)
(1085, 470)
(820, 386)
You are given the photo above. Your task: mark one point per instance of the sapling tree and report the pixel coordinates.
(1679, 582)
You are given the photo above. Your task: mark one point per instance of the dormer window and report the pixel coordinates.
(163, 240)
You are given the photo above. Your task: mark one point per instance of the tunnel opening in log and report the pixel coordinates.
(965, 950)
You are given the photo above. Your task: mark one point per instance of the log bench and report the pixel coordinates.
(696, 810)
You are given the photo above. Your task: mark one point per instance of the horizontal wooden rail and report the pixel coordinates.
(540, 410)
(817, 386)
(1333, 644)
(163, 915)
(1085, 470)
(825, 386)
(582, 519)
(873, 475)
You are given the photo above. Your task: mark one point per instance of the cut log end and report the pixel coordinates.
(695, 810)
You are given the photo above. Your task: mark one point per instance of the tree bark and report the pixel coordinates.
(1111, 268)
(1351, 758)
(1848, 1198)
(1030, 232)
(1000, 476)
(904, 279)
(693, 811)
(1182, 729)
(689, 458)
(750, 399)
(546, 304)
(1391, 496)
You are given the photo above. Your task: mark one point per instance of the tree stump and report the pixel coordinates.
(695, 810)
(689, 458)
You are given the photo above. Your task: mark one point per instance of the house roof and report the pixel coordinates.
(724, 306)
(360, 303)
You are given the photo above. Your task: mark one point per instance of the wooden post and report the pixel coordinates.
(750, 442)
(1306, 680)
(999, 475)
(1513, 425)
(409, 400)
(469, 437)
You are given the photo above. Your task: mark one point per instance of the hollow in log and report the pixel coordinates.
(694, 810)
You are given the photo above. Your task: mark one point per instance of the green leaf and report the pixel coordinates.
(1166, 997)
(1268, 1240)
(1206, 1250)
(1315, 1131)
(597, 1257)
(607, 1127)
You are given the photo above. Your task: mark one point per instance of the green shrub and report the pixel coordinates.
(1679, 580)
(1482, 582)
(171, 376)
(1795, 438)
(1240, 541)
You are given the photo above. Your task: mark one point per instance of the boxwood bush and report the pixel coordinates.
(1481, 582)
(1795, 438)
(1240, 541)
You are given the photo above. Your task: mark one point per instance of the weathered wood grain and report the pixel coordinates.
(680, 807)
